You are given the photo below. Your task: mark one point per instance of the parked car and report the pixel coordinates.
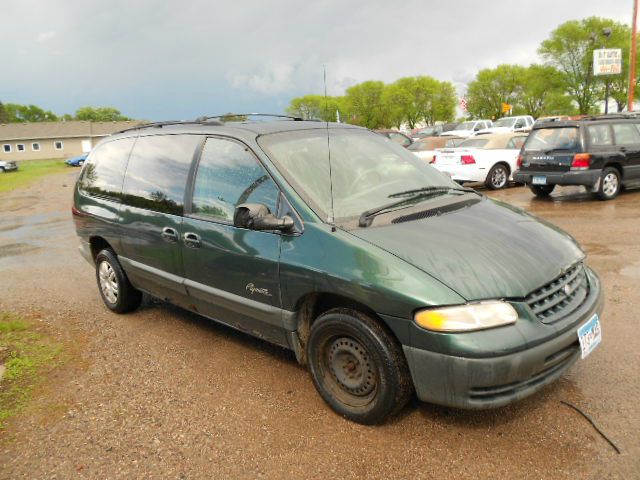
(433, 131)
(77, 161)
(467, 129)
(383, 275)
(601, 152)
(8, 166)
(427, 147)
(491, 159)
(509, 124)
(395, 136)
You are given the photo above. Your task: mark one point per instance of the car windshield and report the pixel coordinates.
(466, 126)
(549, 139)
(474, 143)
(366, 169)
(505, 122)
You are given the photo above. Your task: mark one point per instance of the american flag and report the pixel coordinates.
(463, 104)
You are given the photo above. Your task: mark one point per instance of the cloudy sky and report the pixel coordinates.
(181, 59)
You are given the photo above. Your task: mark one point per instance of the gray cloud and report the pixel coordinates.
(161, 60)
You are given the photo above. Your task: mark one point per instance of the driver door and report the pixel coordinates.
(232, 273)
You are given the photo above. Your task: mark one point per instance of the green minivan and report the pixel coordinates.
(382, 275)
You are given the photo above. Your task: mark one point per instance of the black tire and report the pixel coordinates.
(357, 366)
(498, 177)
(542, 190)
(610, 184)
(126, 297)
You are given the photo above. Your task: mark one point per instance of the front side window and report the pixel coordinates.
(157, 172)
(228, 175)
(104, 172)
(366, 170)
(600, 135)
(626, 134)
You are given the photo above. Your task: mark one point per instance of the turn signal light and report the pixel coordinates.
(580, 161)
(467, 159)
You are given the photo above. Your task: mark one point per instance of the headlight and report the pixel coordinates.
(464, 318)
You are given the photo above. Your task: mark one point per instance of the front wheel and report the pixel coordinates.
(357, 366)
(610, 184)
(498, 177)
(117, 292)
(542, 190)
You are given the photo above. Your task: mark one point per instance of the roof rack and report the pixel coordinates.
(606, 116)
(209, 120)
(206, 119)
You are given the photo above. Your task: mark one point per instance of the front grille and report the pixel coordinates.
(561, 297)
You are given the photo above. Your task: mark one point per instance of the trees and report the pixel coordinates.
(99, 114)
(570, 50)
(491, 88)
(365, 104)
(543, 92)
(4, 116)
(316, 107)
(28, 113)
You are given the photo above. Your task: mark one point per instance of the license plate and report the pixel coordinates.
(539, 180)
(590, 335)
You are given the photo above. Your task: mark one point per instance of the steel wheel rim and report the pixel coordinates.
(499, 177)
(348, 371)
(610, 184)
(108, 282)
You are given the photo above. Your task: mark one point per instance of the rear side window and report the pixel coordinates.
(228, 175)
(600, 135)
(516, 143)
(474, 143)
(104, 171)
(157, 172)
(626, 133)
(550, 139)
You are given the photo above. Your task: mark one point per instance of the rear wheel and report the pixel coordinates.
(498, 177)
(357, 366)
(610, 184)
(542, 190)
(117, 292)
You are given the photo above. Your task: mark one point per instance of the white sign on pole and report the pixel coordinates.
(607, 61)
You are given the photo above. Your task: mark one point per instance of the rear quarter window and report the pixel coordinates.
(104, 171)
(626, 133)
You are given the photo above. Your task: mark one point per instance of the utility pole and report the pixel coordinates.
(632, 57)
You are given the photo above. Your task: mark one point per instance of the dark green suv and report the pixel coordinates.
(382, 275)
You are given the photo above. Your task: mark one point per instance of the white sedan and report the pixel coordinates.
(489, 158)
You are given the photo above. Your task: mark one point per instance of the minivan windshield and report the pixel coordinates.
(550, 139)
(367, 170)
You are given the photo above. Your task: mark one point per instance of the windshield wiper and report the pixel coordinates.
(417, 194)
(431, 190)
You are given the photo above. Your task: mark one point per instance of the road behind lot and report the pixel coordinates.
(162, 393)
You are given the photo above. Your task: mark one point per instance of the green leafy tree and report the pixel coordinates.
(99, 114)
(4, 116)
(543, 92)
(570, 49)
(491, 88)
(365, 104)
(317, 107)
(28, 113)
(443, 106)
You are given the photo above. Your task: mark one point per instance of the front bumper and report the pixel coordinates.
(10, 167)
(588, 178)
(495, 381)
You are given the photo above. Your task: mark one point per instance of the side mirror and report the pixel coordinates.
(256, 216)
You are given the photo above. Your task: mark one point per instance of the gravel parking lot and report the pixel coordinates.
(163, 393)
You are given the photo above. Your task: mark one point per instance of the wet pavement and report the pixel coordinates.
(164, 393)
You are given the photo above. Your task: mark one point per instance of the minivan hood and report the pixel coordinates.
(488, 250)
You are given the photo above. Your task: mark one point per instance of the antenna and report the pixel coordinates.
(331, 218)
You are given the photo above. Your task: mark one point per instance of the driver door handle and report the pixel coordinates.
(170, 234)
(192, 240)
